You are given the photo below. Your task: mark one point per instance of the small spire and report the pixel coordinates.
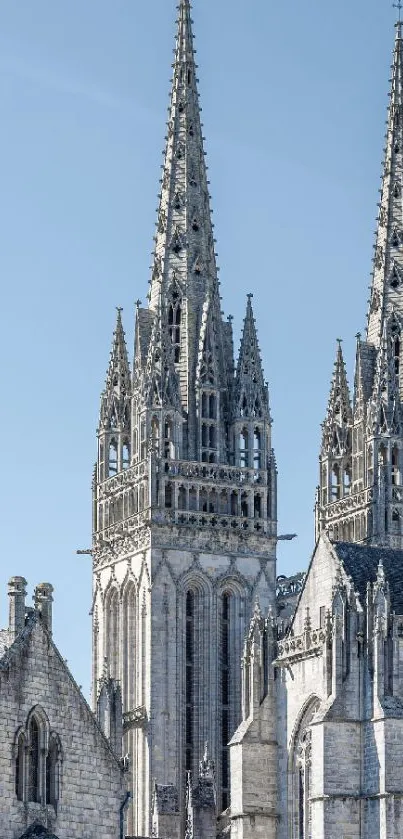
(251, 392)
(118, 380)
(339, 413)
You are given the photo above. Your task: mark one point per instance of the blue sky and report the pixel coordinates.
(294, 102)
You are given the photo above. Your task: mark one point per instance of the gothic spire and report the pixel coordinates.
(251, 397)
(339, 414)
(387, 283)
(184, 247)
(118, 383)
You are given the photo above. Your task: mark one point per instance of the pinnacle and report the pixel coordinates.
(251, 393)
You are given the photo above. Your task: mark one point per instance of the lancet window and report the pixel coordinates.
(113, 458)
(257, 449)
(126, 455)
(129, 640)
(244, 448)
(301, 808)
(189, 678)
(174, 323)
(37, 761)
(336, 485)
(395, 466)
(225, 696)
(112, 633)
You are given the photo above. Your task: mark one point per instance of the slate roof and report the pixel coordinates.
(361, 563)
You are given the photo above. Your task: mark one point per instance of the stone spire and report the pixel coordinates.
(337, 426)
(251, 397)
(184, 284)
(118, 382)
(387, 283)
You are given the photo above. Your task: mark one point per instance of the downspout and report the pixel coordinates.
(122, 809)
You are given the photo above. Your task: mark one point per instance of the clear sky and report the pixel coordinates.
(294, 101)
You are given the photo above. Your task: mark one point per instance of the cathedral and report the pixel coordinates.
(228, 701)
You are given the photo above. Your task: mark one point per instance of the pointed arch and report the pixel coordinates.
(300, 770)
(129, 601)
(112, 622)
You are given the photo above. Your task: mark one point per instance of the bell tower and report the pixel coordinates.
(185, 490)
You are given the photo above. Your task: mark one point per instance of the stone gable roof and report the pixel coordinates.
(361, 563)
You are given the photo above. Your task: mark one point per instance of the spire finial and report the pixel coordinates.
(398, 5)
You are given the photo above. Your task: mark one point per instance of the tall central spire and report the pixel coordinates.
(184, 248)
(387, 285)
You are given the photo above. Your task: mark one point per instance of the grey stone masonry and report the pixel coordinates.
(56, 766)
(185, 491)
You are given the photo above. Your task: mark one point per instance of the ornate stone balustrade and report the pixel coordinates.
(136, 718)
(190, 518)
(214, 473)
(349, 504)
(310, 643)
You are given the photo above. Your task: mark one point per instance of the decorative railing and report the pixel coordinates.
(349, 504)
(310, 643)
(238, 524)
(136, 718)
(214, 473)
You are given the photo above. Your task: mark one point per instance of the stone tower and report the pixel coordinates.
(184, 509)
(360, 496)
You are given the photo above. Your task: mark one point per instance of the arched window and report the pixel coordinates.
(225, 696)
(244, 448)
(244, 505)
(155, 435)
(257, 453)
(336, 482)
(395, 466)
(129, 640)
(113, 458)
(174, 324)
(205, 411)
(396, 355)
(34, 756)
(301, 769)
(52, 771)
(182, 498)
(112, 630)
(169, 448)
(168, 496)
(189, 679)
(383, 455)
(19, 766)
(347, 479)
(126, 455)
(257, 506)
(212, 406)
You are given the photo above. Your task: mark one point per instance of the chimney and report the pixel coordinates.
(43, 604)
(17, 594)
